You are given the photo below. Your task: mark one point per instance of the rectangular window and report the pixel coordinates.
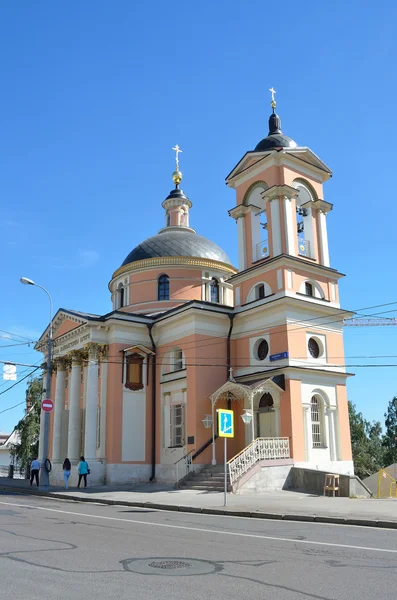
(67, 380)
(308, 289)
(177, 425)
(316, 424)
(178, 360)
(134, 369)
(261, 292)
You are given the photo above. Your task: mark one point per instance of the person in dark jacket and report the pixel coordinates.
(83, 470)
(67, 467)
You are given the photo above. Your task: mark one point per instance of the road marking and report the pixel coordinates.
(202, 530)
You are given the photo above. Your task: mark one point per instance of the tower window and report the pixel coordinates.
(314, 348)
(168, 219)
(163, 292)
(120, 296)
(261, 291)
(262, 350)
(308, 289)
(178, 360)
(214, 290)
(317, 410)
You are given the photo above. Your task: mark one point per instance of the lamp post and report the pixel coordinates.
(44, 475)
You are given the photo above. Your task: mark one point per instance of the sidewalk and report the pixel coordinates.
(286, 505)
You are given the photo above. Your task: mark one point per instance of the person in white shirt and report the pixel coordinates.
(34, 471)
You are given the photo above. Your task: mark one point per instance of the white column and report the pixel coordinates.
(255, 232)
(91, 405)
(308, 430)
(42, 416)
(242, 259)
(104, 382)
(277, 421)
(332, 435)
(253, 419)
(276, 226)
(74, 432)
(326, 427)
(290, 230)
(322, 229)
(58, 410)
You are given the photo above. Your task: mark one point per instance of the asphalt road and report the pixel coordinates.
(52, 549)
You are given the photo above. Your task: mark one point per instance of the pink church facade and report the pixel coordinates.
(189, 333)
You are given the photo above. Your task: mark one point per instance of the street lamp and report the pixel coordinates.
(44, 477)
(207, 421)
(246, 416)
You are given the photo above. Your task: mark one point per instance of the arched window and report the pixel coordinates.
(163, 292)
(266, 403)
(308, 289)
(120, 296)
(317, 418)
(214, 290)
(168, 219)
(260, 291)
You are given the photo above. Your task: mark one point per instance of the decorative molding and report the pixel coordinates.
(238, 211)
(276, 191)
(321, 206)
(161, 261)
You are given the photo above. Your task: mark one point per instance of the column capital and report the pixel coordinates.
(239, 211)
(76, 356)
(60, 364)
(279, 191)
(92, 350)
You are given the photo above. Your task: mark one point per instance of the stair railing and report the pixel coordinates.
(259, 449)
(184, 465)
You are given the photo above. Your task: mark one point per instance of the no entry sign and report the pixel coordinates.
(47, 405)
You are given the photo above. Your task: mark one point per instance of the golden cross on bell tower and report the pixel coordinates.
(273, 102)
(177, 151)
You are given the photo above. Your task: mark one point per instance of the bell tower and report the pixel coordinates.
(279, 207)
(288, 325)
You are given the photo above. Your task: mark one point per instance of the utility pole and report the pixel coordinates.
(44, 472)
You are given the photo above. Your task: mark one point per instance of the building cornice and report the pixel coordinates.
(268, 264)
(179, 261)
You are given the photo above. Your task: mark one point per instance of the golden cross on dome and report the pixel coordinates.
(177, 151)
(273, 102)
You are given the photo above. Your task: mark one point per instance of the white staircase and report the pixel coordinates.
(260, 449)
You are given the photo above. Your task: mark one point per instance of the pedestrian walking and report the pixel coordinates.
(83, 470)
(34, 471)
(66, 472)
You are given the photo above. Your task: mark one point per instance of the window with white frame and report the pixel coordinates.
(177, 425)
(317, 418)
(177, 360)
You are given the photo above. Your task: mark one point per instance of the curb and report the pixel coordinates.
(383, 524)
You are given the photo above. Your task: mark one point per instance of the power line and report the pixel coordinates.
(18, 382)
(16, 335)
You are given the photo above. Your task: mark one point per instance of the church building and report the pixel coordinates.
(136, 390)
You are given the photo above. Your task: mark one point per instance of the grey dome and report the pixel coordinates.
(275, 138)
(275, 141)
(177, 242)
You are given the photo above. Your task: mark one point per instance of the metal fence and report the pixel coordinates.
(5, 472)
(387, 485)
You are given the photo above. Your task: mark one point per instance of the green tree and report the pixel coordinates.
(367, 443)
(390, 439)
(29, 426)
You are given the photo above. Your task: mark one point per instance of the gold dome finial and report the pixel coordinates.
(273, 102)
(177, 174)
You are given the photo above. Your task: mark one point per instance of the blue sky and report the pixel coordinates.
(95, 94)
